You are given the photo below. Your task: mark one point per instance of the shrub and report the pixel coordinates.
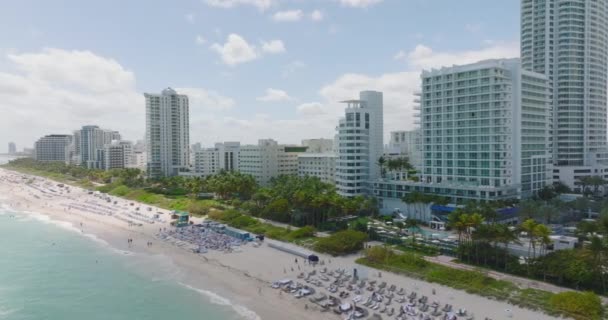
(343, 242)
(120, 191)
(304, 232)
(198, 209)
(580, 305)
(379, 254)
(243, 222)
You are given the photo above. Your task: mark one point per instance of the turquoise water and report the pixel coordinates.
(51, 271)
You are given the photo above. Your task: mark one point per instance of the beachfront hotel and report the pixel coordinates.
(320, 165)
(359, 142)
(116, 155)
(52, 147)
(90, 140)
(485, 135)
(567, 40)
(269, 159)
(167, 133)
(209, 161)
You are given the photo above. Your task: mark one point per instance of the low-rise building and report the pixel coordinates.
(320, 165)
(52, 147)
(268, 160)
(116, 155)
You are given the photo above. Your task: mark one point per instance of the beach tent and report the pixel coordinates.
(313, 258)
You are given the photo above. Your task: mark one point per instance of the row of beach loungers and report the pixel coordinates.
(384, 300)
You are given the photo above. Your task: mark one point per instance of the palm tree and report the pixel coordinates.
(597, 182)
(528, 226)
(542, 233)
(585, 182)
(414, 226)
(506, 235)
(381, 163)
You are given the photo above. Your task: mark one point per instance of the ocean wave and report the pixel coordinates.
(70, 227)
(4, 312)
(219, 300)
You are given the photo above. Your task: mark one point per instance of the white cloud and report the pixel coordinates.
(200, 40)
(317, 15)
(310, 109)
(273, 46)
(401, 55)
(288, 16)
(423, 57)
(260, 4)
(274, 95)
(57, 91)
(190, 17)
(202, 99)
(292, 67)
(236, 50)
(359, 3)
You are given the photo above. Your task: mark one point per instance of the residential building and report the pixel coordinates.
(406, 144)
(52, 147)
(167, 133)
(567, 40)
(319, 145)
(139, 160)
(116, 155)
(229, 155)
(12, 148)
(485, 133)
(359, 142)
(320, 165)
(92, 138)
(210, 161)
(206, 162)
(268, 159)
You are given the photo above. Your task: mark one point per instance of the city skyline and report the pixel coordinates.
(98, 75)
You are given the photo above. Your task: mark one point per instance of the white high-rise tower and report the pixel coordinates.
(167, 133)
(359, 141)
(567, 40)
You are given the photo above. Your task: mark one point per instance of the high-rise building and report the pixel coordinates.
(319, 145)
(12, 148)
(52, 147)
(485, 134)
(92, 139)
(167, 133)
(359, 143)
(567, 40)
(268, 159)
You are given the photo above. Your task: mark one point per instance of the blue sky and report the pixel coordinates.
(253, 68)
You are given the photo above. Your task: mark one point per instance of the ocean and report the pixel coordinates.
(50, 270)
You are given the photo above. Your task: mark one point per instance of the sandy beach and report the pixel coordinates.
(241, 279)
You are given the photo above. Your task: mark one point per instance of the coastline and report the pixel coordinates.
(239, 279)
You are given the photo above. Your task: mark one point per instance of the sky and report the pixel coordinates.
(252, 69)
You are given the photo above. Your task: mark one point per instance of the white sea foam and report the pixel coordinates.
(4, 312)
(219, 300)
(70, 227)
